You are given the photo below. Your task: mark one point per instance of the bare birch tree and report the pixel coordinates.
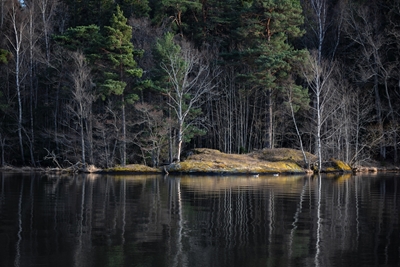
(3, 12)
(295, 100)
(47, 11)
(83, 98)
(363, 29)
(321, 64)
(154, 131)
(33, 34)
(190, 79)
(318, 77)
(19, 23)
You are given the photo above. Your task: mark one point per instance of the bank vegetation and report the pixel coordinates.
(128, 83)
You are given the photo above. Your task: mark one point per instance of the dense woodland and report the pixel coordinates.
(114, 82)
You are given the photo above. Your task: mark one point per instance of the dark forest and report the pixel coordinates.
(105, 82)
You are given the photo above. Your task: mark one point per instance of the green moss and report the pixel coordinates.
(132, 168)
(283, 154)
(236, 167)
(342, 165)
(335, 165)
(204, 160)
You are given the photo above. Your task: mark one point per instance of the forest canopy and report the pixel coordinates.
(119, 82)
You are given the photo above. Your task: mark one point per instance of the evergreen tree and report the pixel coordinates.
(84, 13)
(134, 8)
(119, 54)
(219, 21)
(4, 56)
(268, 28)
(87, 39)
(180, 13)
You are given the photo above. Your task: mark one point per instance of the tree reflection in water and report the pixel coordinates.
(102, 220)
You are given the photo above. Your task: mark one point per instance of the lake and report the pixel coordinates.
(105, 220)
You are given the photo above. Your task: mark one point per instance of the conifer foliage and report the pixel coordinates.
(119, 52)
(231, 75)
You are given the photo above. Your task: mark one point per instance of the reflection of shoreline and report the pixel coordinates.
(184, 220)
(209, 184)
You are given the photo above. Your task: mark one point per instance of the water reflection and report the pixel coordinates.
(101, 220)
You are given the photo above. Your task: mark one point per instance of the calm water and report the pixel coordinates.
(100, 220)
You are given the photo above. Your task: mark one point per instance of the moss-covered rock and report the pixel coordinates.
(335, 165)
(137, 168)
(283, 154)
(213, 161)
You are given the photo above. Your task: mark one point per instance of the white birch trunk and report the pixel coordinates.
(18, 27)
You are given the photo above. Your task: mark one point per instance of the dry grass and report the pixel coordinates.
(283, 154)
(211, 161)
(133, 168)
(263, 161)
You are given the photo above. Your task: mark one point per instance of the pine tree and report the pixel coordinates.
(268, 28)
(180, 13)
(4, 56)
(84, 13)
(220, 19)
(87, 39)
(121, 65)
(134, 8)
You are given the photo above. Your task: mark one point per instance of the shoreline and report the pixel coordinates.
(160, 171)
(203, 161)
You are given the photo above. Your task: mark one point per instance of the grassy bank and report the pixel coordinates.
(209, 161)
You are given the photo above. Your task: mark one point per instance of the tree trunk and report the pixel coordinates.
(180, 139)
(378, 107)
(269, 124)
(306, 163)
(170, 146)
(89, 136)
(18, 28)
(319, 126)
(82, 141)
(18, 86)
(31, 66)
(123, 156)
(2, 145)
(2, 13)
(44, 6)
(393, 121)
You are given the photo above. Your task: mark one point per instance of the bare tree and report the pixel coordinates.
(153, 136)
(190, 78)
(321, 64)
(361, 105)
(107, 132)
(47, 11)
(294, 94)
(318, 74)
(32, 37)
(18, 23)
(3, 12)
(83, 98)
(363, 28)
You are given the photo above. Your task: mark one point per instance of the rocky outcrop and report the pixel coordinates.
(210, 161)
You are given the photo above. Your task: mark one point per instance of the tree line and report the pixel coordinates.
(117, 82)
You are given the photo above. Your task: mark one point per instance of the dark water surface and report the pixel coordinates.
(100, 220)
